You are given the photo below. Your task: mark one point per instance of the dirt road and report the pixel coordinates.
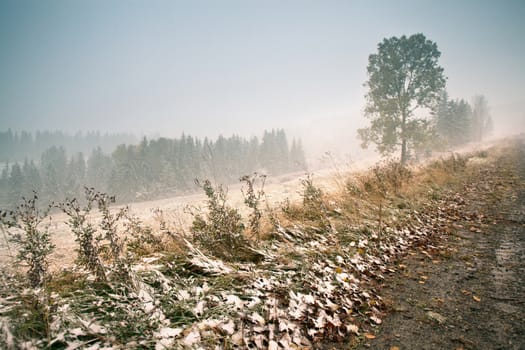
(467, 289)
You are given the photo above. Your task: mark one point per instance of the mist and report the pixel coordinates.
(208, 71)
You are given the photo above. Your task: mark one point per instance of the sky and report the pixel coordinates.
(226, 67)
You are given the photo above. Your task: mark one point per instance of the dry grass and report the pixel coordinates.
(314, 258)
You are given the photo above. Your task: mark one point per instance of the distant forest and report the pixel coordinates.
(24, 145)
(145, 170)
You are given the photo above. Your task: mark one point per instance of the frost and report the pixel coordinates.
(199, 308)
(184, 295)
(192, 338)
(7, 335)
(228, 327)
(234, 300)
(168, 332)
(273, 345)
(256, 318)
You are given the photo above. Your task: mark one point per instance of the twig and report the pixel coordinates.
(380, 217)
(6, 241)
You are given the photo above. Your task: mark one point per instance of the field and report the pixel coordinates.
(336, 260)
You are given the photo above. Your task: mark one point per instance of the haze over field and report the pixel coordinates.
(222, 67)
(188, 174)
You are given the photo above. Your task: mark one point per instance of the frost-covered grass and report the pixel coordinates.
(315, 276)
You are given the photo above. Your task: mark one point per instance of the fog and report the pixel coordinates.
(208, 68)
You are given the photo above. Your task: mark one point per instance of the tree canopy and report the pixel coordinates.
(458, 122)
(148, 169)
(403, 76)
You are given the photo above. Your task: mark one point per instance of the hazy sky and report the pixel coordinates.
(212, 67)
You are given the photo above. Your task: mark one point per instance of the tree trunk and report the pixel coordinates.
(404, 151)
(403, 139)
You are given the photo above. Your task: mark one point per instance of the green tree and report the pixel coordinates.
(403, 77)
(297, 158)
(99, 168)
(481, 120)
(453, 120)
(15, 185)
(53, 167)
(32, 179)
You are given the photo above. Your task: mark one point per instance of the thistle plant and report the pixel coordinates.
(252, 198)
(25, 230)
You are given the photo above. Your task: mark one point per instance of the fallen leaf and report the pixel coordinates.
(192, 338)
(273, 345)
(376, 319)
(369, 336)
(436, 317)
(353, 328)
(477, 299)
(466, 292)
(394, 348)
(168, 332)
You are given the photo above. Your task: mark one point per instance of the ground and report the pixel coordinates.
(466, 288)
(434, 262)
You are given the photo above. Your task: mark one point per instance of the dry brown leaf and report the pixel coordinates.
(476, 298)
(369, 336)
(394, 348)
(466, 292)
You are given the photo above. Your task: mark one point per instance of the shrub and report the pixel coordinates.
(33, 240)
(109, 227)
(312, 209)
(93, 246)
(143, 240)
(220, 231)
(252, 199)
(89, 242)
(388, 176)
(312, 198)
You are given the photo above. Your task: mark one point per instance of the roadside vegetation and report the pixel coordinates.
(289, 274)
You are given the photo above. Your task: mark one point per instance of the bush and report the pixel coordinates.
(220, 231)
(143, 240)
(252, 199)
(33, 240)
(89, 242)
(452, 164)
(313, 205)
(388, 176)
(312, 209)
(93, 246)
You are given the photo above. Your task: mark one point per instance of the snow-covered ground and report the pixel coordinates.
(330, 178)
(175, 209)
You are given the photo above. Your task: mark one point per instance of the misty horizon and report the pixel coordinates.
(208, 69)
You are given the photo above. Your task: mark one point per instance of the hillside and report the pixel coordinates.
(327, 269)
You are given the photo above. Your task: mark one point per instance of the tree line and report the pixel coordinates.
(458, 122)
(16, 146)
(149, 169)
